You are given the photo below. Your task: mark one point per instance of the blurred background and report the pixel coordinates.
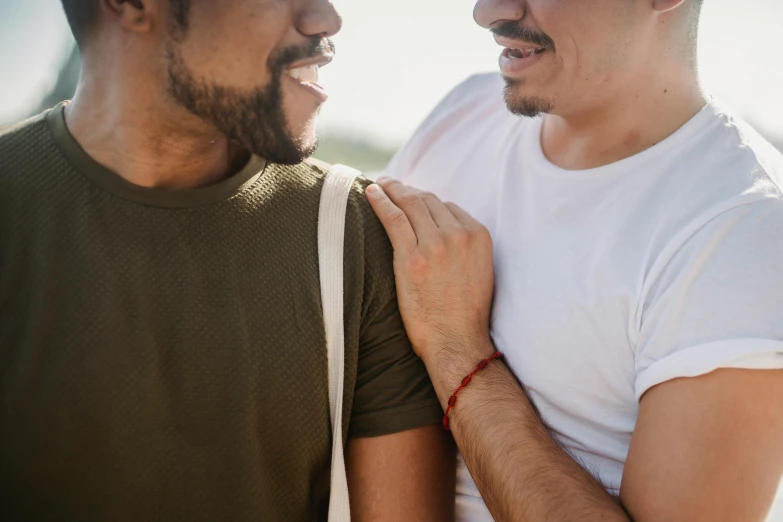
(395, 60)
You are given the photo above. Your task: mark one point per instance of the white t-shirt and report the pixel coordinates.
(615, 279)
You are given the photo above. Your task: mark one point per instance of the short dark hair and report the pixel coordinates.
(696, 6)
(82, 16)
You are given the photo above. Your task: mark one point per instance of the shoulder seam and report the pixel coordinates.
(679, 241)
(19, 126)
(742, 135)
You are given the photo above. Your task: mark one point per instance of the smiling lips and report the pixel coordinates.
(518, 58)
(306, 74)
(520, 54)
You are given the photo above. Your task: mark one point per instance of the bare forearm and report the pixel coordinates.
(445, 281)
(704, 448)
(522, 473)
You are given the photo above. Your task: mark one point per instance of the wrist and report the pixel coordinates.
(451, 363)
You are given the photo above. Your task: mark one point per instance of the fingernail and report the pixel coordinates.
(374, 190)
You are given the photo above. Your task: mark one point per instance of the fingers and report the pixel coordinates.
(413, 218)
(409, 200)
(480, 234)
(463, 217)
(440, 213)
(393, 219)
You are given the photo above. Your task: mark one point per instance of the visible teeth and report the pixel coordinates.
(524, 53)
(306, 74)
(516, 53)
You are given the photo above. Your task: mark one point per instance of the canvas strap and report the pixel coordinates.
(331, 239)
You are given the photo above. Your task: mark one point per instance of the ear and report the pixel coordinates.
(132, 15)
(666, 5)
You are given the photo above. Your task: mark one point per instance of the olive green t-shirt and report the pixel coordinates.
(162, 353)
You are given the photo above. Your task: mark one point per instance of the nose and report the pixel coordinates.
(491, 13)
(319, 18)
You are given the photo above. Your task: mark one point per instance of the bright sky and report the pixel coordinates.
(397, 59)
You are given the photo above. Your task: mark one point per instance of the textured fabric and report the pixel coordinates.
(162, 353)
(612, 280)
(331, 238)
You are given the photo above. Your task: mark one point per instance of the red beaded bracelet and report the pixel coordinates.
(453, 399)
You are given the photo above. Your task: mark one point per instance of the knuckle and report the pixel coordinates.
(418, 264)
(409, 199)
(429, 197)
(438, 249)
(453, 207)
(478, 230)
(397, 218)
(392, 183)
(460, 237)
(483, 235)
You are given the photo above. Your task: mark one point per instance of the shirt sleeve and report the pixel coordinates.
(717, 301)
(393, 391)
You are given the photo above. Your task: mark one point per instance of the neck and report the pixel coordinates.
(626, 123)
(147, 140)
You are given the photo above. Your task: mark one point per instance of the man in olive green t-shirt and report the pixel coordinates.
(162, 347)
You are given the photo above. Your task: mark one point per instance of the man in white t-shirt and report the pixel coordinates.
(638, 273)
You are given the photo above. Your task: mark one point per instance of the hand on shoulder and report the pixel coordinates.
(444, 270)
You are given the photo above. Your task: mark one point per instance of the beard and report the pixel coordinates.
(253, 118)
(527, 106)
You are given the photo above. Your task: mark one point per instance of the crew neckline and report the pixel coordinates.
(112, 182)
(693, 128)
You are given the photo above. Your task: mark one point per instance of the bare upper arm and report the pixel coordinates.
(707, 448)
(402, 477)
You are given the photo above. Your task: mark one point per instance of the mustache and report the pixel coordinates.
(514, 31)
(315, 47)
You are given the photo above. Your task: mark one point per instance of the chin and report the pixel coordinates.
(304, 135)
(527, 104)
(308, 147)
(309, 141)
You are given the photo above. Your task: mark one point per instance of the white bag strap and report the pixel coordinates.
(331, 239)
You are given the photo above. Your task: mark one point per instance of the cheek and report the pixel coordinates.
(605, 43)
(588, 35)
(229, 43)
(587, 59)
